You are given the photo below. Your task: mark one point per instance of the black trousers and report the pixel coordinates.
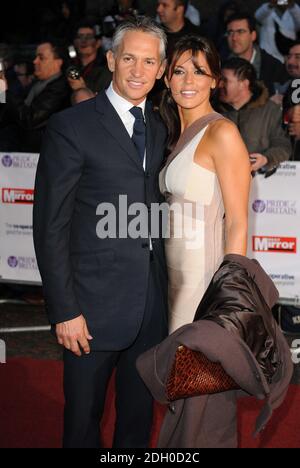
(86, 379)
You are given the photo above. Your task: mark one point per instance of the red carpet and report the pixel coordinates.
(32, 406)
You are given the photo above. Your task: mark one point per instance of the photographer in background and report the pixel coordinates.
(89, 69)
(284, 14)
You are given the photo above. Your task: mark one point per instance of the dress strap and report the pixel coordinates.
(191, 132)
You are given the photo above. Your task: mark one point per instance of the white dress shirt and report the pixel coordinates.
(289, 25)
(122, 106)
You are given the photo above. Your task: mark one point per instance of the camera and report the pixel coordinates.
(72, 52)
(73, 72)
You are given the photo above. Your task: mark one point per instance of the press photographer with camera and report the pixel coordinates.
(285, 14)
(88, 69)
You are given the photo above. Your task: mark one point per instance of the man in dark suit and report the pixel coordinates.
(23, 122)
(106, 295)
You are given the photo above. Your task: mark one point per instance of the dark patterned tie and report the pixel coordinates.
(139, 131)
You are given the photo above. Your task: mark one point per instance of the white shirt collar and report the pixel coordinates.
(121, 104)
(253, 55)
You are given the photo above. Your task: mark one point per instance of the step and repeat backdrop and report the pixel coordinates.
(274, 223)
(17, 258)
(274, 227)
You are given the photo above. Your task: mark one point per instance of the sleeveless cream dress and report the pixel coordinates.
(195, 243)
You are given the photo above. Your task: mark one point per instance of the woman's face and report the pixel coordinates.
(190, 86)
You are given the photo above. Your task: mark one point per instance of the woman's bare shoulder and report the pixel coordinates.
(223, 128)
(224, 134)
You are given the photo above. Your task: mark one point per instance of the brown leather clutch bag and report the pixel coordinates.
(193, 374)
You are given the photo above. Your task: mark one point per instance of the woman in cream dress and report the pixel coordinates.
(205, 181)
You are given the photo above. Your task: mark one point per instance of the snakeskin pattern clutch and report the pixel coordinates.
(193, 374)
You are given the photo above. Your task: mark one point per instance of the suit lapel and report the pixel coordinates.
(114, 125)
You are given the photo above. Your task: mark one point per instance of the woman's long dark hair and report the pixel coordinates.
(168, 107)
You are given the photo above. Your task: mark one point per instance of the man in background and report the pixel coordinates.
(245, 101)
(241, 37)
(90, 62)
(49, 94)
(172, 16)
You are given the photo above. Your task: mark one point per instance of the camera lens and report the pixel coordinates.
(73, 73)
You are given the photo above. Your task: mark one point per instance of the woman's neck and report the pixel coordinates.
(189, 116)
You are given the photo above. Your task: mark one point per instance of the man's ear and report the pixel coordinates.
(111, 62)
(254, 35)
(245, 84)
(161, 70)
(61, 62)
(181, 9)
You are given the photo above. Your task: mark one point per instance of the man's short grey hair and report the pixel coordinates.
(143, 24)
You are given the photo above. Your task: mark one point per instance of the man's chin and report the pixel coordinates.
(137, 94)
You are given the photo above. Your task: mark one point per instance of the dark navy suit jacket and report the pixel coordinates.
(88, 158)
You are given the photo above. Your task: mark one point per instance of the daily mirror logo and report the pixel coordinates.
(17, 196)
(274, 244)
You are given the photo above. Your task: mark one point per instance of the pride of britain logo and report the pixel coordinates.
(22, 263)
(259, 206)
(20, 161)
(7, 160)
(276, 207)
(12, 262)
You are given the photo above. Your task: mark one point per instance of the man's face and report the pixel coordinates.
(22, 74)
(167, 12)
(230, 87)
(45, 63)
(240, 38)
(86, 42)
(136, 65)
(292, 62)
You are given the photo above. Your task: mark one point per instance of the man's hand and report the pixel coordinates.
(77, 84)
(294, 114)
(257, 161)
(3, 84)
(73, 333)
(277, 98)
(294, 129)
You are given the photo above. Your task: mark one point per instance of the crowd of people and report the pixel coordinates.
(70, 66)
